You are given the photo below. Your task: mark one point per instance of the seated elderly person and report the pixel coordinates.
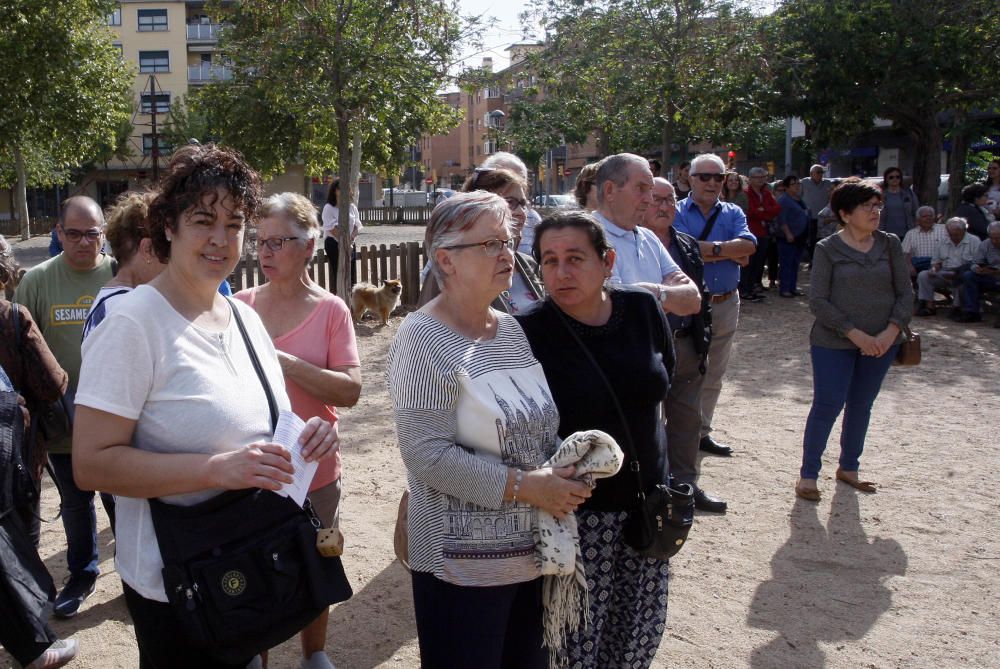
(983, 275)
(973, 209)
(951, 259)
(922, 241)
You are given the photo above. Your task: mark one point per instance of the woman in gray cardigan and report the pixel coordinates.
(862, 299)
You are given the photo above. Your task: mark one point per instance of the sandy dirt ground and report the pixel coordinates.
(903, 578)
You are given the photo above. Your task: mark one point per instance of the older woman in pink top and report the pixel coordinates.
(314, 337)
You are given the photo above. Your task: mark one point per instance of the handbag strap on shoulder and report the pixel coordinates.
(629, 447)
(272, 405)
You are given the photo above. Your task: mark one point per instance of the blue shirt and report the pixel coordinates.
(724, 275)
(794, 214)
(639, 254)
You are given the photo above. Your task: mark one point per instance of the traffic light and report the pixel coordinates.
(541, 172)
(731, 163)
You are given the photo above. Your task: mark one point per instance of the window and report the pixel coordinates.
(115, 17)
(493, 92)
(152, 20)
(147, 145)
(121, 52)
(154, 61)
(489, 147)
(159, 101)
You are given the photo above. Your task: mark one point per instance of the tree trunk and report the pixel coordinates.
(603, 143)
(665, 149)
(927, 160)
(344, 215)
(355, 166)
(956, 162)
(21, 194)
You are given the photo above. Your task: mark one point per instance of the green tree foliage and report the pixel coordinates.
(312, 75)
(641, 73)
(65, 89)
(839, 64)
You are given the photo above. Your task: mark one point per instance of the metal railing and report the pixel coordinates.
(201, 73)
(203, 32)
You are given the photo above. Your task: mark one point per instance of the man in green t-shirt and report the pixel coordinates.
(58, 293)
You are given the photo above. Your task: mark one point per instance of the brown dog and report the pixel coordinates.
(366, 297)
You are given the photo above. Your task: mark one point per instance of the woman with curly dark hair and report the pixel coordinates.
(168, 405)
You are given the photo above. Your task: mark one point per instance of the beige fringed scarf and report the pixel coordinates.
(595, 455)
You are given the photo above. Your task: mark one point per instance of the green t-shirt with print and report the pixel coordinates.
(59, 298)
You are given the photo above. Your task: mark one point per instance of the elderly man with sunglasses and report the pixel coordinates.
(725, 242)
(58, 293)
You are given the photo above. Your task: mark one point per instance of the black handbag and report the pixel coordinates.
(659, 523)
(241, 570)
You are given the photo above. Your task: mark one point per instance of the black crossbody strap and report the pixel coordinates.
(629, 446)
(272, 405)
(703, 237)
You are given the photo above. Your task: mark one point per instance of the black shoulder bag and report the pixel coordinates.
(241, 570)
(658, 525)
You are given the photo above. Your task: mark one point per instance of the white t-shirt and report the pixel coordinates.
(190, 390)
(331, 215)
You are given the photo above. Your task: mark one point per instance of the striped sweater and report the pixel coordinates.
(466, 411)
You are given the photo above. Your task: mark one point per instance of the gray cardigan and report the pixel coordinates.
(850, 289)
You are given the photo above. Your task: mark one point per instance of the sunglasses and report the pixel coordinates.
(275, 243)
(515, 203)
(76, 235)
(492, 247)
(705, 178)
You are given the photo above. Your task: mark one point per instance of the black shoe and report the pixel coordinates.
(753, 297)
(705, 502)
(970, 317)
(798, 293)
(710, 445)
(77, 589)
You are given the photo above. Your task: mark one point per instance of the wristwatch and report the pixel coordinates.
(661, 295)
(717, 249)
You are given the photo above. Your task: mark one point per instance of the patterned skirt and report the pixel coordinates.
(628, 598)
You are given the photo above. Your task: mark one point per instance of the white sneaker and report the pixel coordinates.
(317, 660)
(56, 655)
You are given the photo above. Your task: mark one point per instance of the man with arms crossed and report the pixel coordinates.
(725, 242)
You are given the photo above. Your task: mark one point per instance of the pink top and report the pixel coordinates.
(325, 339)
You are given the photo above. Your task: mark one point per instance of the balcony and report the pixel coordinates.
(202, 74)
(204, 32)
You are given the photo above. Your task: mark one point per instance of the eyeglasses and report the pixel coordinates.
(75, 236)
(275, 243)
(492, 247)
(705, 178)
(516, 203)
(660, 201)
(871, 206)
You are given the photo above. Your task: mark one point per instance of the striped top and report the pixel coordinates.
(466, 411)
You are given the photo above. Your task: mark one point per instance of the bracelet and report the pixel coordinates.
(518, 476)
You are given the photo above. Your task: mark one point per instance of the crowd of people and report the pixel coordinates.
(610, 326)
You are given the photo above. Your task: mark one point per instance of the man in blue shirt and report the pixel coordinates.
(726, 243)
(624, 193)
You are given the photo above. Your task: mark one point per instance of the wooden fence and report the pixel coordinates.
(373, 264)
(395, 215)
(39, 225)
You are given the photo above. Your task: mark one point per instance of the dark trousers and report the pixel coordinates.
(753, 274)
(79, 520)
(790, 254)
(972, 285)
(162, 644)
(843, 379)
(496, 627)
(773, 261)
(332, 248)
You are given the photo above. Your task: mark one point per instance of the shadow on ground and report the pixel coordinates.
(826, 584)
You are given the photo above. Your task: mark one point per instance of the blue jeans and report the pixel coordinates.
(789, 254)
(79, 520)
(972, 285)
(843, 379)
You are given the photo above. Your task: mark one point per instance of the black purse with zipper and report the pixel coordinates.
(241, 570)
